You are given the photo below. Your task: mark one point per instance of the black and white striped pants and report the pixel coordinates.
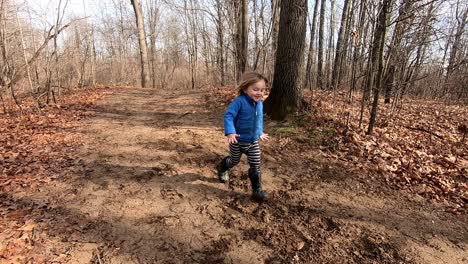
(252, 150)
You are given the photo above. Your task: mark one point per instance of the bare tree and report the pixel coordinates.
(142, 43)
(194, 41)
(377, 58)
(395, 56)
(320, 77)
(329, 52)
(153, 21)
(340, 47)
(454, 61)
(310, 54)
(275, 17)
(241, 35)
(220, 40)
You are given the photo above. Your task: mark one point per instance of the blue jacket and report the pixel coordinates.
(244, 117)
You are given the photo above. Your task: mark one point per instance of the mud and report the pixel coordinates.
(144, 190)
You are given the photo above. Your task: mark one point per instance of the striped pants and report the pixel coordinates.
(252, 150)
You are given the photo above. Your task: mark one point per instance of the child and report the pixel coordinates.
(243, 126)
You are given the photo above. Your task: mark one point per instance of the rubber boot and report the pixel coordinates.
(257, 193)
(222, 168)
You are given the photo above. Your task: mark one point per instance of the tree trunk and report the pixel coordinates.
(244, 36)
(286, 93)
(340, 47)
(93, 58)
(329, 57)
(358, 42)
(153, 19)
(142, 43)
(256, 36)
(456, 43)
(220, 35)
(206, 49)
(241, 8)
(394, 54)
(320, 46)
(28, 68)
(122, 46)
(275, 10)
(310, 55)
(377, 58)
(346, 57)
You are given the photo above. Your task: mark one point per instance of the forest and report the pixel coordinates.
(111, 129)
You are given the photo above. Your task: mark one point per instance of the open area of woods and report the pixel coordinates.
(111, 119)
(392, 48)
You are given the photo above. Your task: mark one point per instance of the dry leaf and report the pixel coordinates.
(300, 245)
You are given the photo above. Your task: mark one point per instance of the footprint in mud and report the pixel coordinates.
(167, 192)
(167, 220)
(144, 176)
(239, 180)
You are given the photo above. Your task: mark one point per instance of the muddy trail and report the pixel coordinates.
(144, 190)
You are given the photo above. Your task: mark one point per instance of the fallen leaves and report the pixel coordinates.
(36, 148)
(431, 156)
(418, 146)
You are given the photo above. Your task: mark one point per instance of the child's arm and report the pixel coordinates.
(229, 116)
(260, 117)
(263, 136)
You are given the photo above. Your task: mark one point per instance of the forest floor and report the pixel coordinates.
(126, 175)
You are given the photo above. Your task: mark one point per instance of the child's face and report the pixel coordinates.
(256, 90)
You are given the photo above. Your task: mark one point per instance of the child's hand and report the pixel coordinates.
(232, 138)
(265, 137)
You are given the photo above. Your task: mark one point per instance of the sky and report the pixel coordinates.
(46, 10)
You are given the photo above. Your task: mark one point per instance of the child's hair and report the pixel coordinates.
(249, 78)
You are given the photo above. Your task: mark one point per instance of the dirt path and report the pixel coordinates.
(145, 191)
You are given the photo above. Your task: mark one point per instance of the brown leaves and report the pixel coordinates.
(418, 146)
(33, 143)
(34, 149)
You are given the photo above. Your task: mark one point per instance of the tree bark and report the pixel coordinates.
(244, 36)
(331, 34)
(358, 42)
(462, 21)
(286, 93)
(142, 43)
(394, 54)
(275, 10)
(220, 36)
(377, 58)
(153, 19)
(340, 47)
(310, 55)
(320, 46)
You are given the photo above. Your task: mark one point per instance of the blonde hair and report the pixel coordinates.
(249, 78)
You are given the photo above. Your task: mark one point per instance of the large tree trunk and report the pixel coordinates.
(142, 43)
(275, 11)
(286, 93)
(241, 36)
(320, 46)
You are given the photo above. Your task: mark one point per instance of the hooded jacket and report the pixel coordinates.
(244, 116)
